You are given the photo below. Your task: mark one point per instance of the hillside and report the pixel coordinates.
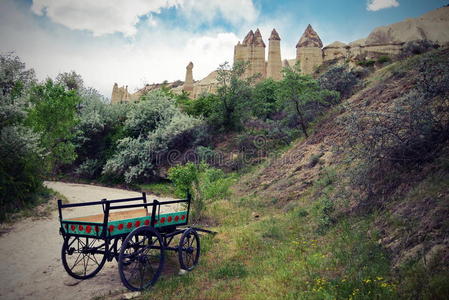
(319, 222)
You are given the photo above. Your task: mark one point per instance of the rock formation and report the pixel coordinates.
(120, 94)
(432, 26)
(188, 83)
(308, 51)
(335, 51)
(257, 59)
(386, 40)
(252, 50)
(274, 65)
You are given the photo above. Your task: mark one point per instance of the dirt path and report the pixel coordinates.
(30, 259)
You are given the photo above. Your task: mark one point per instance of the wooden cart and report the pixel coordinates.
(136, 235)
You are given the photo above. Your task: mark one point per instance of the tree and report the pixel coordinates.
(264, 103)
(20, 151)
(70, 80)
(234, 93)
(53, 114)
(302, 96)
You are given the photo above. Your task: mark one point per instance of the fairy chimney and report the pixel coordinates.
(258, 55)
(188, 84)
(274, 65)
(308, 51)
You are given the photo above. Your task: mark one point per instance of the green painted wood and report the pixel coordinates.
(126, 225)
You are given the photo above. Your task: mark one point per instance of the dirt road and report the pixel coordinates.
(30, 252)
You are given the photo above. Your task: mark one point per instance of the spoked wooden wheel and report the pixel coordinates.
(141, 258)
(83, 257)
(189, 249)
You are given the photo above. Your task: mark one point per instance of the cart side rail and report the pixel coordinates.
(108, 205)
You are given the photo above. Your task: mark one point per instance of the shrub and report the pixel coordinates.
(383, 59)
(366, 62)
(339, 79)
(417, 47)
(203, 182)
(412, 132)
(157, 129)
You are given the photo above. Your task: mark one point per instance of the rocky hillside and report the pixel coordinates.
(358, 210)
(417, 196)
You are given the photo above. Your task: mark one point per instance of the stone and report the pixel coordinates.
(128, 296)
(71, 281)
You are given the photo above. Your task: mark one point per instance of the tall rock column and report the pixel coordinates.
(274, 65)
(246, 52)
(115, 97)
(258, 57)
(308, 51)
(188, 83)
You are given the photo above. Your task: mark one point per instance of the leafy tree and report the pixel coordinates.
(234, 94)
(264, 103)
(20, 151)
(203, 106)
(53, 114)
(302, 96)
(70, 80)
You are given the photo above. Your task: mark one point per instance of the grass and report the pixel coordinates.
(43, 204)
(283, 255)
(166, 189)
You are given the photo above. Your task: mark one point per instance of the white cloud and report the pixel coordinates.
(99, 16)
(155, 55)
(109, 16)
(234, 11)
(375, 5)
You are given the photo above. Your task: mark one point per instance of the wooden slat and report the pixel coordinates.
(113, 216)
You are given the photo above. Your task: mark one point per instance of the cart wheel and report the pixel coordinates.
(83, 257)
(189, 249)
(141, 258)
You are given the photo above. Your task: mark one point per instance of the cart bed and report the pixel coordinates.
(121, 222)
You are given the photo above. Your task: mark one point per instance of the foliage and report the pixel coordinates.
(340, 79)
(154, 127)
(21, 163)
(234, 93)
(203, 106)
(366, 62)
(203, 182)
(100, 127)
(302, 95)
(264, 104)
(53, 114)
(412, 132)
(383, 59)
(417, 47)
(70, 80)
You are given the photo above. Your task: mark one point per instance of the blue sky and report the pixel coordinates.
(135, 42)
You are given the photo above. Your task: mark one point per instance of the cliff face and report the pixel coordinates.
(432, 26)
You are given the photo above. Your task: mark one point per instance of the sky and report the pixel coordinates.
(136, 42)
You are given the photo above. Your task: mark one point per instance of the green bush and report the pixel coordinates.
(203, 182)
(22, 156)
(366, 63)
(383, 59)
(155, 129)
